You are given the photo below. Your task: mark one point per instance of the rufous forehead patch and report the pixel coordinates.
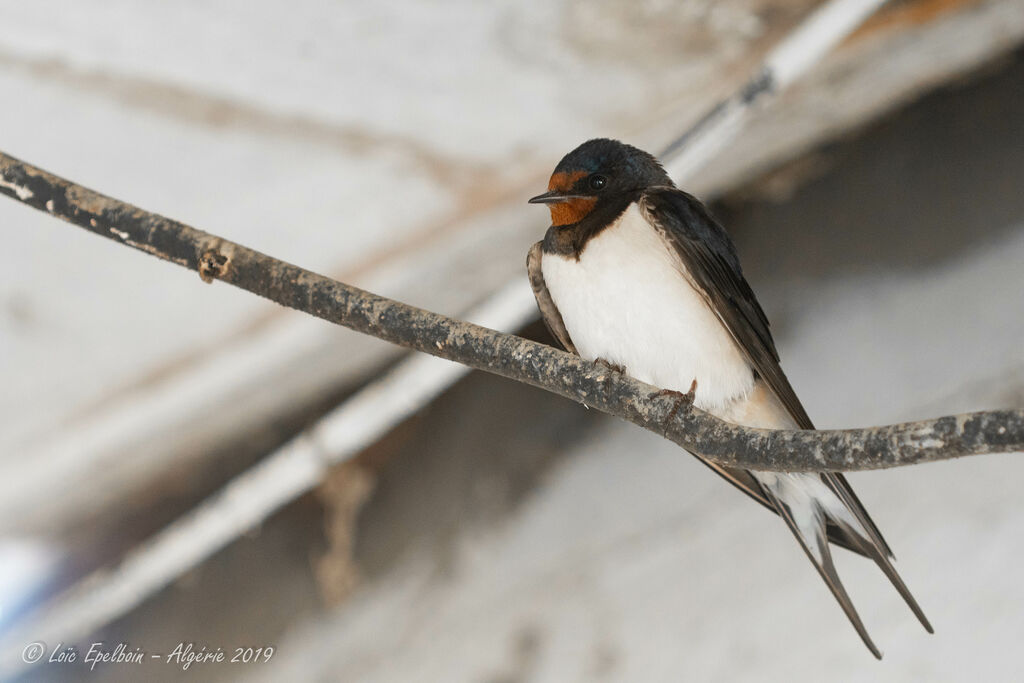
(563, 182)
(572, 211)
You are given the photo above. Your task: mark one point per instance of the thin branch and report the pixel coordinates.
(507, 355)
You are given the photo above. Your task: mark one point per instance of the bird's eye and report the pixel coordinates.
(597, 182)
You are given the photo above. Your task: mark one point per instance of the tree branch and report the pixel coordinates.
(507, 355)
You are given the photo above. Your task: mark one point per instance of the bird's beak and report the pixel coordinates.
(553, 197)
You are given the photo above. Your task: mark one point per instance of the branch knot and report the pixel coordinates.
(213, 264)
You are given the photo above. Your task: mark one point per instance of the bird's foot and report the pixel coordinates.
(614, 367)
(682, 400)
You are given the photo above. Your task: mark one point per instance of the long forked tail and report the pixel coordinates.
(811, 506)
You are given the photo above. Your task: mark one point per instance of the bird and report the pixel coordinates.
(636, 274)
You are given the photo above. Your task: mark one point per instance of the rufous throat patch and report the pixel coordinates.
(572, 211)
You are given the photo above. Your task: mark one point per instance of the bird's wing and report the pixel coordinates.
(548, 310)
(711, 264)
(709, 259)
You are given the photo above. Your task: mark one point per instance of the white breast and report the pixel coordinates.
(628, 301)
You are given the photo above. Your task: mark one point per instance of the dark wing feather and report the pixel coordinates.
(548, 310)
(711, 261)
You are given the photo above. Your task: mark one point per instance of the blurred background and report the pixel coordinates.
(496, 534)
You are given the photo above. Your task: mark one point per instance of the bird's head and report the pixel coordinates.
(598, 172)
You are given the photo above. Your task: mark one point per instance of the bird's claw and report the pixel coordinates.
(682, 400)
(614, 367)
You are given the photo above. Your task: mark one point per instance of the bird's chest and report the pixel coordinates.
(627, 300)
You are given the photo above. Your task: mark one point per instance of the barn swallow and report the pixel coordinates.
(636, 274)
